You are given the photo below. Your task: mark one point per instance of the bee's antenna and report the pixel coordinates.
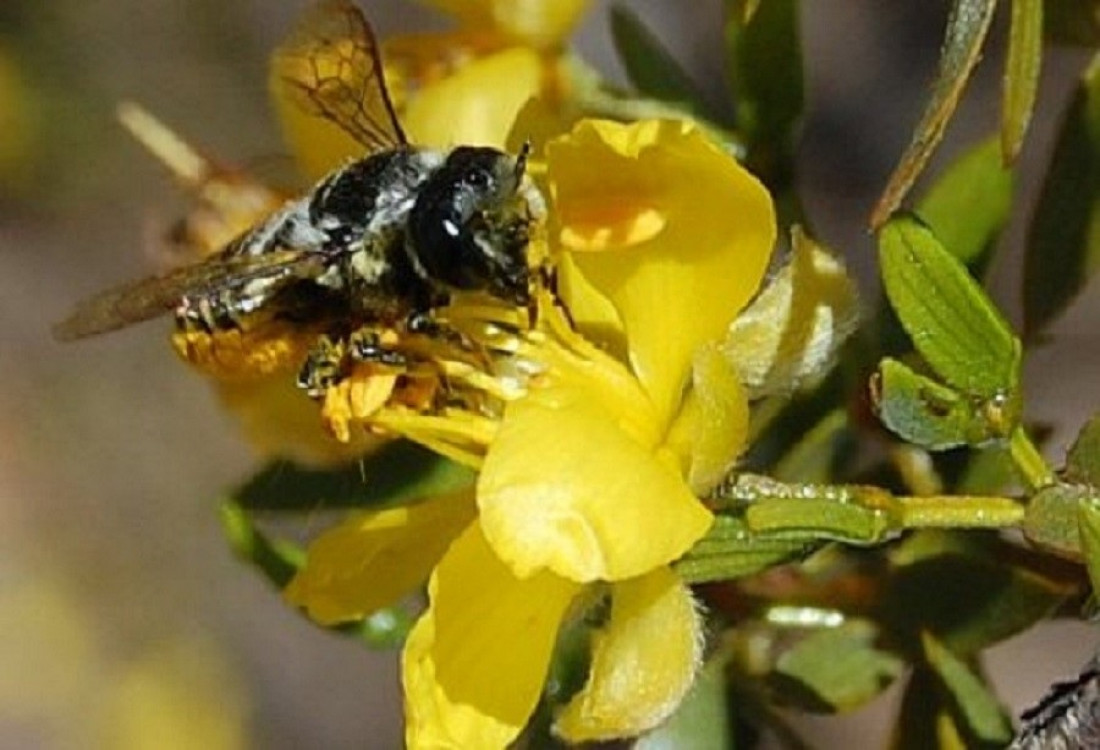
(521, 159)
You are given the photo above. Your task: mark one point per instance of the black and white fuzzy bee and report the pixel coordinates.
(381, 241)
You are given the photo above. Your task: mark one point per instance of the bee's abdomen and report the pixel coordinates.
(373, 195)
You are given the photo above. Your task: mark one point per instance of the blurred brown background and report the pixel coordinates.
(123, 616)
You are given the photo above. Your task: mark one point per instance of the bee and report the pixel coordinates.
(383, 241)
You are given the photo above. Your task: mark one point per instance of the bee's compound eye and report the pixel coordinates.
(465, 232)
(479, 179)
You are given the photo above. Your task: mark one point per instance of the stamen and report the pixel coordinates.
(455, 433)
(187, 164)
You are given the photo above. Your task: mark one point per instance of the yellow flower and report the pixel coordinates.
(464, 86)
(625, 413)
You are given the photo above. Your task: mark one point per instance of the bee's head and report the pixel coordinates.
(471, 224)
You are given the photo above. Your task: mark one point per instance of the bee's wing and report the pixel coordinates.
(147, 298)
(332, 65)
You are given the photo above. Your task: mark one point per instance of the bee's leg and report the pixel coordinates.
(366, 345)
(219, 311)
(325, 366)
(193, 314)
(423, 323)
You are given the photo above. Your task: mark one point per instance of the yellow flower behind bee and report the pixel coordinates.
(590, 481)
(462, 87)
(537, 23)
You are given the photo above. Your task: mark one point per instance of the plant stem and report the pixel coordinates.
(1028, 460)
(958, 511)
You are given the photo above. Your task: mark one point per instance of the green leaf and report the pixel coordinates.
(1053, 517)
(765, 67)
(398, 471)
(701, 722)
(649, 66)
(922, 411)
(811, 459)
(1072, 22)
(817, 517)
(1021, 81)
(730, 550)
(980, 711)
(278, 561)
(967, 26)
(1083, 458)
(924, 721)
(969, 601)
(970, 203)
(950, 320)
(836, 669)
(1063, 246)
(1089, 522)
(987, 472)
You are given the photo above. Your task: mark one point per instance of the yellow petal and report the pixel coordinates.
(670, 228)
(374, 560)
(712, 426)
(575, 483)
(539, 23)
(793, 330)
(643, 662)
(591, 312)
(477, 104)
(475, 663)
(467, 12)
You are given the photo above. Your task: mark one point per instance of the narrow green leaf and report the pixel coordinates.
(1053, 518)
(744, 9)
(278, 561)
(968, 601)
(970, 203)
(1083, 458)
(649, 66)
(981, 712)
(1021, 81)
(820, 517)
(730, 550)
(1089, 522)
(920, 410)
(924, 721)
(950, 320)
(398, 471)
(967, 26)
(835, 669)
(765, 66)
(1063, 246)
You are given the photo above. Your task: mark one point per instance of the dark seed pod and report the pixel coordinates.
(1068, 716)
